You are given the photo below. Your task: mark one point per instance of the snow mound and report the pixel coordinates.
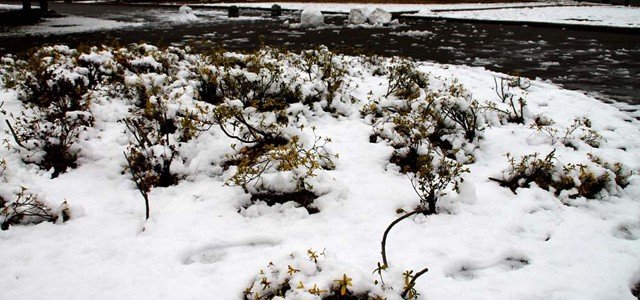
(357, 16)
(311, 18)
(186, 10)
(186, 15)
(380, 16)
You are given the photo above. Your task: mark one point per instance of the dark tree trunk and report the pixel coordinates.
(432, 206)
(44, 5)
(234, 11)
(26, 5)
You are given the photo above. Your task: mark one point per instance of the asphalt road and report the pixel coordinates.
(604, 64)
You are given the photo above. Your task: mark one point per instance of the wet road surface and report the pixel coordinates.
(605, 65)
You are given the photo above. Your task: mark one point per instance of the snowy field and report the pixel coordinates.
(567, 13)
(615, 16)
(206, 239)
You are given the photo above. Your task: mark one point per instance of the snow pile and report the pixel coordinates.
(357, 16)
(380, 16)
(414, 33)
(185, 10)
(211, 230)
(185, 15)
(364, 17)
(311, 18)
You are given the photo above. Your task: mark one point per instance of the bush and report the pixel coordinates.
(250, 126)
(516, 104)
(29, 209)
(293, 161)
(57, 98)
(323, 66)
(580, 129)
(458, 117)
(158, 133)
(446, 118)
(49, 134)
(620, 173)
(405, 81)
(571, 180)
(301, 276)
(434, 176)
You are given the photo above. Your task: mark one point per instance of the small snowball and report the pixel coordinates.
(380, 16)
(311, 18)
(185, 9)
(357, 17)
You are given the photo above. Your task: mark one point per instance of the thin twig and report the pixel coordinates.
(15, 136)
(413, 282)
(386, 232)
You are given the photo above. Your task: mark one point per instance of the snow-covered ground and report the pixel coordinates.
(566, 12)
(486, 242)
(66, 25)
(615, 16)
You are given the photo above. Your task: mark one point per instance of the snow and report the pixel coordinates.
(185, 15)
(615, 16)
(10, 7)
(66, 25)
(486, 242)
(311, 18)
(357, 16)
(414, 33)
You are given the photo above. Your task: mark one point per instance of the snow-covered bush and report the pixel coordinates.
(434, 177)
(56, 94)
(154, 145)
(157, 134)
(515, 110)
(271, 80)
(278, 173)
(163, 117)
(324, 67)
(27, 208)
(314, 275)
(579, 130)
(101, 68)
(517, 81)
(445, 117)
(405, 81)
(620, 172)
(590, 180)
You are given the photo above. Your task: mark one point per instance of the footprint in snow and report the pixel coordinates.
(214, 253)
(472, 270)
(627, 231)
